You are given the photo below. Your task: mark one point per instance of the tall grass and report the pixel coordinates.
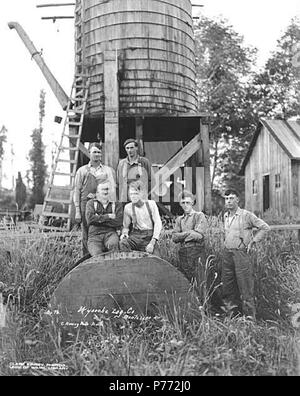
(202, 344)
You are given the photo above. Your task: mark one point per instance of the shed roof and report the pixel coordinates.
(286, 134)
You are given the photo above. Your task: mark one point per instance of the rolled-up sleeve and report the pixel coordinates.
(78, 186)
(201, 225)
(156, 219)
(177, 234)
(262, 227)
(126, 220)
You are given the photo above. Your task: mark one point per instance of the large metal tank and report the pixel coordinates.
(154, 43)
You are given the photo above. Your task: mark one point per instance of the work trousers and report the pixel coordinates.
(192, 260)
(84, 229)
(101, 243)
(238, 282)
(138, 240)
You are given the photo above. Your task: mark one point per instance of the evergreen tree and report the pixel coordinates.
(37, 158)
(3, 139)
(20, 192)
(276, 89)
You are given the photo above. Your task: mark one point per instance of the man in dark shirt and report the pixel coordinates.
(86, 180)
(104, 218)
(132, 168)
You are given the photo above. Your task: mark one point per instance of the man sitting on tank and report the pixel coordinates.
(141, 223)
(104, 218)
(189, 231)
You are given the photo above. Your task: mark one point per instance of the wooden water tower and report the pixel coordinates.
(135, 75)
(140, 56)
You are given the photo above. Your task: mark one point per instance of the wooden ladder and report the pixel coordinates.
(80, 67)
(57, 206)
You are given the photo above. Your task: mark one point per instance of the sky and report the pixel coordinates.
(261, 22)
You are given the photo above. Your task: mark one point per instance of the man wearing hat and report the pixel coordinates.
(132, 168)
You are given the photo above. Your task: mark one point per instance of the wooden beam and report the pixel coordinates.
(111, 115)
(139, 134)
(175, 162)
(196, 162)
(84, 150)
(58, 91)
(55, 5)
(57, 17)
(204, 132)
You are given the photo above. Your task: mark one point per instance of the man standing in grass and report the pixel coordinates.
(104, 218)
(189, 231)
(237, 267)
(141, 224)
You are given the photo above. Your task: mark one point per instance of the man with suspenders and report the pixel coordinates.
(237, 266)
(141, 223)
(104, 218)
(86, 180)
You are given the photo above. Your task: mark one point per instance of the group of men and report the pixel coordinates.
(101, 214)
(133, 223)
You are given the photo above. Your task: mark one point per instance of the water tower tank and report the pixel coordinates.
(154, 43)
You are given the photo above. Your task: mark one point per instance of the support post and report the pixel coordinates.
(111, 116)
(204, 132)
(139, 134)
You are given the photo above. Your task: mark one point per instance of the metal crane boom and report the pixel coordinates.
(58, 91)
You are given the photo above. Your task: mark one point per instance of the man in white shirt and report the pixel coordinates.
(141, 222)
(237, 265)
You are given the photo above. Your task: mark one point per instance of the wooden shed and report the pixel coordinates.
(272, 168)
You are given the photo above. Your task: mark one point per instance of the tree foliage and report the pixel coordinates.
(224, 70)
(3, 139)
(37, 158)
(237, 94)
(276, 89)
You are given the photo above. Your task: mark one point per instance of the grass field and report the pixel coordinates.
(204, 344)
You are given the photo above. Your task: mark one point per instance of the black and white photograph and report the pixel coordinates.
(150, 191)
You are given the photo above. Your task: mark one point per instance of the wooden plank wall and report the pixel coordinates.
(296, 188)
(269, 158)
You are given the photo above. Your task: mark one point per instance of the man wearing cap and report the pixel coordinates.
(190, 231)
(132, 168)
(86, 180)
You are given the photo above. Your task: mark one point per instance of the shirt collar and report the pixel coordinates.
(90, 165)
(101, 202)
(237, 213)
(189, 214)
(137, 161)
